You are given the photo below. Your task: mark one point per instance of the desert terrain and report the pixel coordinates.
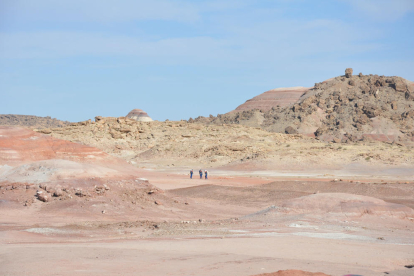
(113, 196)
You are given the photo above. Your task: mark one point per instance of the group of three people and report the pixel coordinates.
(200, 172)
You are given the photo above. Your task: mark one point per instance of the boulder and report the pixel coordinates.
(371, 111)
(320, 131)
(290, 130)
(58, 192)
(348, 72)
(42, 196)
(400, 86)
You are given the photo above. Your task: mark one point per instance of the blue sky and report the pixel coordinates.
(74, 60)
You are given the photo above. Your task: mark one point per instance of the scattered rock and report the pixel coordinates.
(42, 196)
(58, 192)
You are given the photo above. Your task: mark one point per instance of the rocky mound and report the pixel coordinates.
(341, 109)
(139, 115)
(31, 121)
(279, 97)
(175, 142)
(347, 203)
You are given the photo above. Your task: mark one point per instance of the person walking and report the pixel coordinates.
(201, 173)
(205, 174)
(191, 174)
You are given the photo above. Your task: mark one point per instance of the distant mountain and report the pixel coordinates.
(31, 121)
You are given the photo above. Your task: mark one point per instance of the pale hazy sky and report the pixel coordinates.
(74, 60)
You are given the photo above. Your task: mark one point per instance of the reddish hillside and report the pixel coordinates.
(19, 145)
(273, 98)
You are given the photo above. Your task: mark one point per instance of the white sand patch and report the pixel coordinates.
(46, 231)
(334, 236)
(54, 169)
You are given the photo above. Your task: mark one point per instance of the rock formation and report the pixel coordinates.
(139, 115)
(348, 72)
(345, 108)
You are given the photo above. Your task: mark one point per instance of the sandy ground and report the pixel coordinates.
(113, 218)
(238, 245)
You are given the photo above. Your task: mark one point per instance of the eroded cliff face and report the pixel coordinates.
(280, 97)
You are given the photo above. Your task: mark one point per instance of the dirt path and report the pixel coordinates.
(206, 256)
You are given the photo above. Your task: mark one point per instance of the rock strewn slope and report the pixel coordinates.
(233, 147)
(340, 109)
(176, 142)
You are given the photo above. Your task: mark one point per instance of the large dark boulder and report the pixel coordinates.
(290, 130)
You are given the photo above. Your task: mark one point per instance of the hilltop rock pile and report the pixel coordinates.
(341, 109)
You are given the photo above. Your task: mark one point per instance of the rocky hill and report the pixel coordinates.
(229, 147)
(31, 121)
(173, 142)
(340, 109)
